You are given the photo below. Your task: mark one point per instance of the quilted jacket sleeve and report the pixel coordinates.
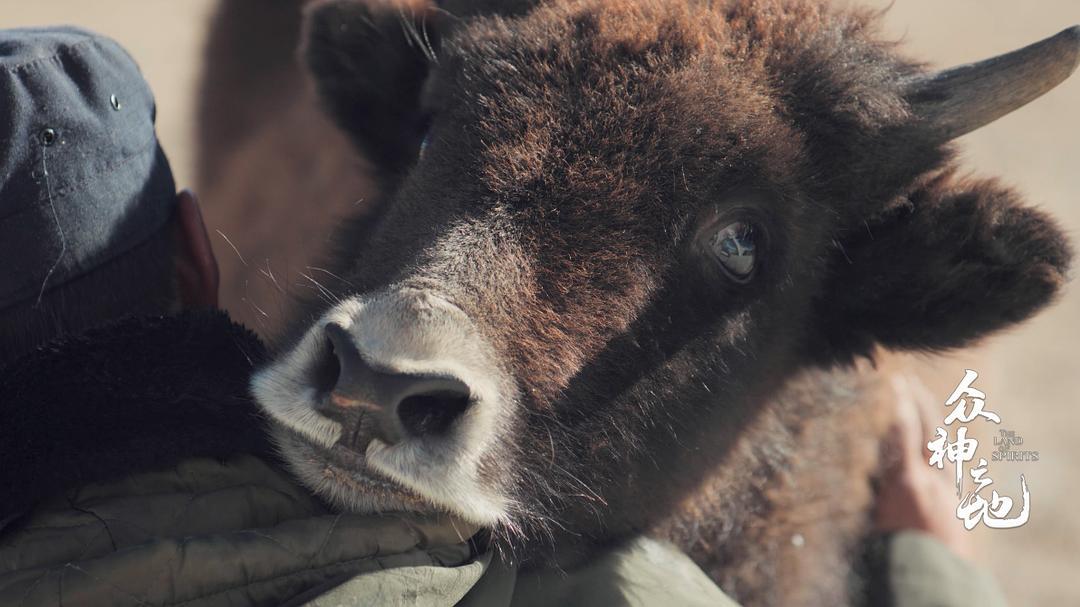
(210, 533)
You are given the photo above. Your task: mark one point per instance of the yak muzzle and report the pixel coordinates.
(398, 386)
(391, 406)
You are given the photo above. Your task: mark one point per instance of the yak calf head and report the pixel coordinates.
(611, 230)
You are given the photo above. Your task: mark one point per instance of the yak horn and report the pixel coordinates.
(959, 100)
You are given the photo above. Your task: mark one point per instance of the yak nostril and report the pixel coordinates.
(336, 359)
(337, 354)
(326, 370)
(432, 413)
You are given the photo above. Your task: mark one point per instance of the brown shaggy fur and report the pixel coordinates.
(573, 150)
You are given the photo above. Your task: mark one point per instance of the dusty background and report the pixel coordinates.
(1031, 374)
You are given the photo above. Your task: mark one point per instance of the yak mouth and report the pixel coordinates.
(357, 482)
(349, 467)
(344, 477)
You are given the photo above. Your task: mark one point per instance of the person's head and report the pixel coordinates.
(91, 227)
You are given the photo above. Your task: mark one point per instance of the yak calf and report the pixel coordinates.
(625, 252)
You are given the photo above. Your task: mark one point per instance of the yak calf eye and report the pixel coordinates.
(733, 246)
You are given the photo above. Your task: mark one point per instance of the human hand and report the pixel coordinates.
(912, 495)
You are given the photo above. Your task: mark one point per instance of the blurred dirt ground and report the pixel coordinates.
(1031, 374)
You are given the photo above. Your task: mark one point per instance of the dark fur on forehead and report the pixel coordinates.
(831, 72)
(818, 84)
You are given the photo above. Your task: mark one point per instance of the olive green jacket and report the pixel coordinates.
(238, 532)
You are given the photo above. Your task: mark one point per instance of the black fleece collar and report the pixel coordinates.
(137, 395)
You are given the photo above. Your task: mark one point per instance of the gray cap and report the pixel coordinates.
(82, 177)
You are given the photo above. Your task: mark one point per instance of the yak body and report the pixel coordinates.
(546, 181)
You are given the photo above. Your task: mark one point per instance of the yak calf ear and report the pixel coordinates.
(369, 61)
(952, 261)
